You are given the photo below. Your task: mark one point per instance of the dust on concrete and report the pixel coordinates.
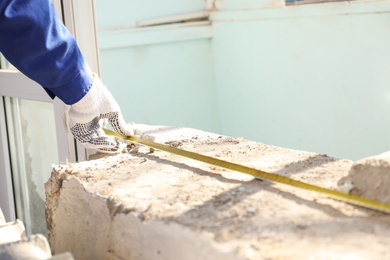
(255, 219)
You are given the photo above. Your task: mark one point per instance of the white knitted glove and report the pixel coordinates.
(86, 116)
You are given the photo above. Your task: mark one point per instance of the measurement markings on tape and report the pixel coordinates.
(352, 199)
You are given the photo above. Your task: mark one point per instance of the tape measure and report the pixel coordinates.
(262, 175)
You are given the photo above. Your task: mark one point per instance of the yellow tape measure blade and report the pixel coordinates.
(352, 199)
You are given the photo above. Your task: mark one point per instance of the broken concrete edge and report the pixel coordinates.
(112, 230)
(26, 248)
(12, 231)
(52, 188)
(95, 226)
(153, 133)
(17, 222)
(172, 135)
(67, 175)
(60, 173)
(369, 177)
(166, 237)
(14, 244)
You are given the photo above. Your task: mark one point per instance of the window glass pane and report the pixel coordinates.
(33, 150)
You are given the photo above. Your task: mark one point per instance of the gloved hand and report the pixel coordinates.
(86, 119)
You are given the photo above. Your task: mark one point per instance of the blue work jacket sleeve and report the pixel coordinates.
(34, 40)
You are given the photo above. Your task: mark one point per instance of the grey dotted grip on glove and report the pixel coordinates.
(86, 119)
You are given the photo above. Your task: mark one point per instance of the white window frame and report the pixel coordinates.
(79, 17)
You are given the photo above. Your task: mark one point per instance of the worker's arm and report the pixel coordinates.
(34, 40)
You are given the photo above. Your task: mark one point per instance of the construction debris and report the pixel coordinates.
(15, 245)
(370, 177)
(148, 204)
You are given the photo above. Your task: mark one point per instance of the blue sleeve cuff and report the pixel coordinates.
(73, 91)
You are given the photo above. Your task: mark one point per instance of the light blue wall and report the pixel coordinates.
(306, 77)
(124, 13)
(311, 77)
(164, 84)
(159, 75)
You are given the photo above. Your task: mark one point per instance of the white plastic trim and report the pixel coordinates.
(80, 19)
(7, 203)
(15, 84)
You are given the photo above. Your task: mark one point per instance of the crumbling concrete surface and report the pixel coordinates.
(15, 245)
(149, 204)
(370, 177)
